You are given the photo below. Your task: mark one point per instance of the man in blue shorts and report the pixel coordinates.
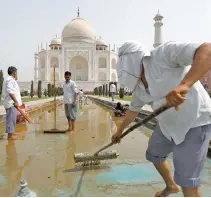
(170, 75)
(70, 98)
(11, 97)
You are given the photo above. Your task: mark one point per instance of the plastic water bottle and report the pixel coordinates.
(25, 191)
(75, 108)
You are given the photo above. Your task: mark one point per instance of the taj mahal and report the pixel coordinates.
(90, 59)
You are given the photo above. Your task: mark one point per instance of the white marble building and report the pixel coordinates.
(90, 59)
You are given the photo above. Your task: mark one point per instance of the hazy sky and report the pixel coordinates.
(24, 24)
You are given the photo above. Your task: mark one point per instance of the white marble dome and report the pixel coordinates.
(158, 15)
(101, 42)
(78, 30)
(56, 41)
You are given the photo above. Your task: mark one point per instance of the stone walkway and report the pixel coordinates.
(30, 104)
(146, 107)
(131, 183)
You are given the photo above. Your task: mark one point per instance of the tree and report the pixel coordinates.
(49, 90)
(61, 91)
(97, 91)
(1, 80)
(104, 90)
(45, 93)
(39, 91)
(25, 93)
(32, 89)
(52, 90)
(100, 90)
(56, 91)
(121, 93)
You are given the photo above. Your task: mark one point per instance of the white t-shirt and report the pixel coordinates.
(69, 89)
(112, 88)
(81, 94)
(10, 86)
(165, 68)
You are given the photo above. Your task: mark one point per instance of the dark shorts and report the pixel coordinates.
(11, 117)
(70, 112)
(188, 157)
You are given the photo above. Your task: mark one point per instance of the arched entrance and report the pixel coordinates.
(79, 68)
(54, 62)
(113, 63)
(56, 76)
(113, 77)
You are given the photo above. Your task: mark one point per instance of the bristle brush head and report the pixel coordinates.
(95, 159)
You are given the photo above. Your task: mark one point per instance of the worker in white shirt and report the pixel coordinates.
(85, 99)
(12, 98)
(80, 96)
(170, 75)
(70, 100)
(112, 90)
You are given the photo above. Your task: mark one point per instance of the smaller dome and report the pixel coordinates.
(56, 41)
(101, 42)
(158, 15)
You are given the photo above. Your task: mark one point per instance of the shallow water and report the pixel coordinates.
(46, 160)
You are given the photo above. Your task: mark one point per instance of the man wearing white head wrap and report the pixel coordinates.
(129, 64)
(170, 71)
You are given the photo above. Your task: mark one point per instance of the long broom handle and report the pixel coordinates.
(24, 115)
(54, 90)
(142, 122)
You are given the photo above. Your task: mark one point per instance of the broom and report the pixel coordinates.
(24, 115)
(93, 159)
(55, 130)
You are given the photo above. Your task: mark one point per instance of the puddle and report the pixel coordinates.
(46, 160)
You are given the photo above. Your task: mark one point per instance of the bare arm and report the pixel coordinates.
(74, 89)
(13, 98)
(201, 65)
(129, 118)
(135, 107)
(75, 97)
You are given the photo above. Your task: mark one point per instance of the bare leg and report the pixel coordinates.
(165, 172)
(12, 136)
(191, 192)
(73, 125)
(112, 96)
(69, 125)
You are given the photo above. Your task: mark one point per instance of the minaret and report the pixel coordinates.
(78, 13)
(36, 67)
(158, 30)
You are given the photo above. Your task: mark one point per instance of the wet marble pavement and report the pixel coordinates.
(46, 160)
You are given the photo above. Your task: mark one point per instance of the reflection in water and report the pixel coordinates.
(46, 160)
(21, 130)
(41, 158)
(12, 168)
